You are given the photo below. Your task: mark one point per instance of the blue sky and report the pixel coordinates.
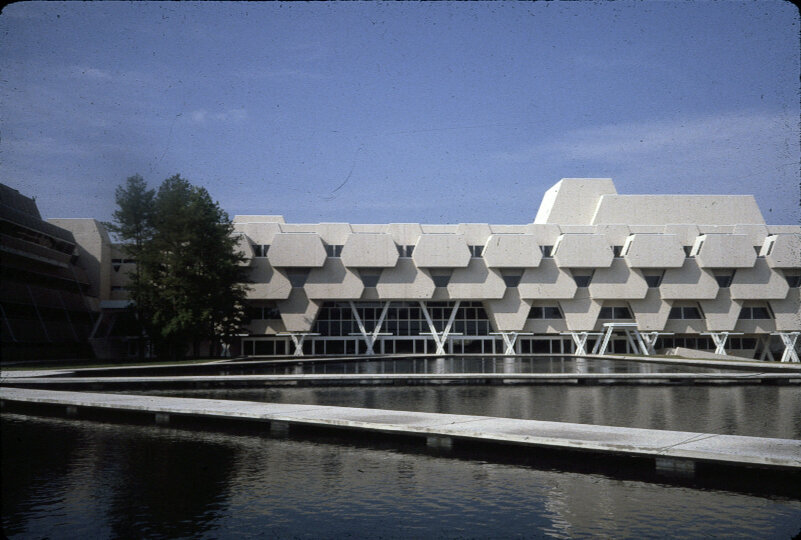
(399, 112)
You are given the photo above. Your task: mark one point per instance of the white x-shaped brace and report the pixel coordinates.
(789, 339)
(719, 338)
(649, 340)
(633, 336)
(298, 343)
(580, 339)
(510, 338)
(369, 337)
(440, 338)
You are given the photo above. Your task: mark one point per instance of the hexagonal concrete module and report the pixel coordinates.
(654, 251)
(258, 232)
(512, 251)
(547, 281)
(758, 283)
(783, 251)
(618, 281)
(788, 311)
(688, 283)
(370, 250)
(582, 251)
(475, 234)
(268, 283)
(721, 313)
(333, 282)
(581, 314)
(756, 233)
(477, 282)
(334, 234)
(405, 281)
(441, 251)
(651, 313)
(509, 313)
(616, 234)
(303, 250)
(298, 312)
(244, 247)
(724, 251)
(404, 234)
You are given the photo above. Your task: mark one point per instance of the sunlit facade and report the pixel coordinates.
(698, 271)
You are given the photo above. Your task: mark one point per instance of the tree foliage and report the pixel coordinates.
(189, 284)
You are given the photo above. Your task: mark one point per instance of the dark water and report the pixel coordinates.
(467, 364)
(758, 411)
(75, 479)
(452, 364)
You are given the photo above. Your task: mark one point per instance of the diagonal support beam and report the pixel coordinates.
(605, 341)
(440, 339)
(789, 340)
(369, 337)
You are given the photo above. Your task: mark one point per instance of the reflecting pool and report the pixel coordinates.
(76, 479)
(757, 411)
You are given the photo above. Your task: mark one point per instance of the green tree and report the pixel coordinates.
(133, 224)
(191, 283)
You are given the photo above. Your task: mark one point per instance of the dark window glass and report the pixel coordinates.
(582, 281)
(617, 251)
(606, 313)
(793, 280)
(760, 313)
(536, 313)
(724, 280)
(691, 313)
(653, 281)
(675, 313)
(441, 280)
(547, 251)
(333, 250)
(512, 280)
(621, 313)
(476, 251)
(551, 312)
(687, 251)
(749, 343)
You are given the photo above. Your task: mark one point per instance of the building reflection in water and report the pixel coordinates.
(757, 411)
(80, 479)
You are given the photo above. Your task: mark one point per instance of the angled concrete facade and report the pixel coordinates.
(685, 268)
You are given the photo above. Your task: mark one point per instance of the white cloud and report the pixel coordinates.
(712, 137)
(92, 73)
(200, 116)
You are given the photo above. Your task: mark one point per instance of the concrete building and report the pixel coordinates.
(595, 271)
(48, 303)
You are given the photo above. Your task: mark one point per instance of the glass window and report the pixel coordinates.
(333, 250)
(547, 251)
(476, 251)
(793, 280)
(617, 251)
(653, 281)
(724, 279)
(582, 280)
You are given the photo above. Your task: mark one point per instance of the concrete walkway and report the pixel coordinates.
(410, 378)
(674, 447)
